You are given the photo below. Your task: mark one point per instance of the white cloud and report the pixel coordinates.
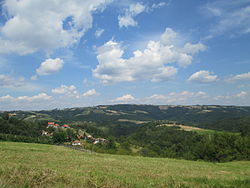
(169, 37)
(232, 16)
(184, 97)
(153, 63)
(16, 84)
(39, 97)
(239, 77)
(50, 66)
(70, 91)
(34, 77)
(125, 21)
(159, 5)
(40, 101)
(238, 98)
(6, 98)
(200, 97)
(194, 48)
(99, 32)
(8, 81)
(203, 77)
(90, 92)
(242, 94)
(131, 12)
(7, 46)
(124, 98)
(45, 25)
(63, 89)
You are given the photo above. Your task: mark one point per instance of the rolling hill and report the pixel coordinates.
(203, 116)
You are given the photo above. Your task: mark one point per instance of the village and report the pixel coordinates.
(82, 136)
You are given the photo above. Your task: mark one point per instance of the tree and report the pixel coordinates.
(60, 137)
(71, 134)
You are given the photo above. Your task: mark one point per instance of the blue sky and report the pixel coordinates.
(58, 54)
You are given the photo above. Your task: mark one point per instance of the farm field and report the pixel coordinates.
(37, 165)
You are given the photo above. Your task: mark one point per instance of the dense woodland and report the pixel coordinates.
(150, 139)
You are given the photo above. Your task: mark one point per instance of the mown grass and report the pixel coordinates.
(36, 165)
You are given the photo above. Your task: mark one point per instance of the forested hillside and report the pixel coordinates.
(228, 118)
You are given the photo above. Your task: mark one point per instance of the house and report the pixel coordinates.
(102, 140)
(90, 137)
(65, 126)
(51, 123)
(96, 142)
(76, 143)
(45, 133)
(56, 125)
(12, 114)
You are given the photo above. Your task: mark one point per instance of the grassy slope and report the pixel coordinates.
(34, 165)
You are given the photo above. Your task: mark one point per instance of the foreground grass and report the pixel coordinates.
(35, 165)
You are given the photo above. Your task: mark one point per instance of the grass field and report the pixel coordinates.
(36, 165)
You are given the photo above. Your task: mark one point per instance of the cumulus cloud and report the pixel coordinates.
(45, 25)
(99, 32)
(203, 77)
(124, 98)
(131, 12)
(63, 89)
(90, 92)
(50, 66)
(153, 63)
(239, 77)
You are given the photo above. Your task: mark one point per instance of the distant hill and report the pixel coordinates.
(204, 116)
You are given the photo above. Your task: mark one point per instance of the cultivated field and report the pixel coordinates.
(35, 165)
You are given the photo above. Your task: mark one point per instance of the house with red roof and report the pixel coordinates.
(53, 124)
(65, 126)
(76, 143)
(57, 125)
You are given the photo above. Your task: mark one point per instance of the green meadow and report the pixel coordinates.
(36, 165)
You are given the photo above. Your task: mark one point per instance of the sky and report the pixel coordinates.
(76, 53)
